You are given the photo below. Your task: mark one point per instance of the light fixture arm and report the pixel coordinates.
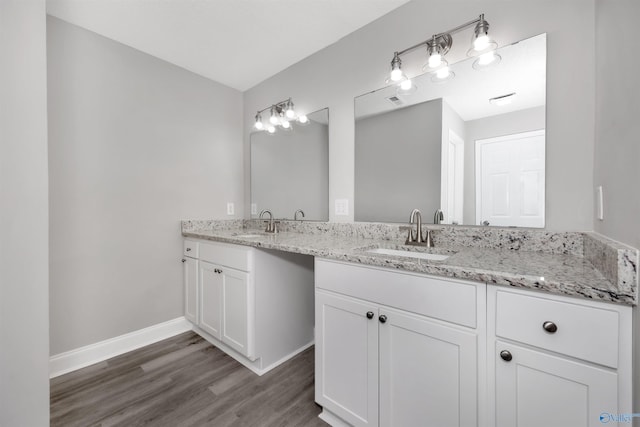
(278, 105)
(444, 38)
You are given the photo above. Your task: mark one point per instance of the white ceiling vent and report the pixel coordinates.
(395, 100)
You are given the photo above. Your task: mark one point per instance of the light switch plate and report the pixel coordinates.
(254, 209)
(599, 203)
(230, 208)
(342, 206)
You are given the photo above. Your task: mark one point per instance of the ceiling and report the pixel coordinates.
(238, 43)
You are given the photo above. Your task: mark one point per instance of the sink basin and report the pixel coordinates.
(408, 254)
(248, 236)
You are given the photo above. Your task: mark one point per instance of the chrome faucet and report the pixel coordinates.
(295, 215)
(438, 216)
(416, 239)
(271, 225)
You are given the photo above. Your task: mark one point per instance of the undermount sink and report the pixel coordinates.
(408, 254)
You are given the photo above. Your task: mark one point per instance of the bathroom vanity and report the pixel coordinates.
(520, 326)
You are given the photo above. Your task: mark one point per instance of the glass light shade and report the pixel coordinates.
(302, 119)
(396, 75)
(274, 119)
(271, 129)
(435, 60)
(486, 60)
(481, 45)
(285, 124)
(258, 125)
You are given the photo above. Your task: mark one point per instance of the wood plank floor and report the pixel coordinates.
(185, 381)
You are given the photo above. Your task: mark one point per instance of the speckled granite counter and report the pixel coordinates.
(566, 270)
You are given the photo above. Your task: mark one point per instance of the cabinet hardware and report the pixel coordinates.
(188, 249)
(550, 327)
(382, 319)
(369, 314)
(506, 355)
(184, 260)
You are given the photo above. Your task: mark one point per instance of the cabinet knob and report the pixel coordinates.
(506, 355)
(188, 249)
(550, 327)
(369, 314)
(184, 260)
(382, 319)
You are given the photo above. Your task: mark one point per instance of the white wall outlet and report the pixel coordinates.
(230, 208)
(254, 209)
(342, 206)
(599, 203)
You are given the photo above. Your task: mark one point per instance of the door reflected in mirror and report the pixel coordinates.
(473, 146)
(290, 170)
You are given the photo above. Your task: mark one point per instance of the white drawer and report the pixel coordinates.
(448, 300)
(190, 248)
(233, 256)
(585, 332)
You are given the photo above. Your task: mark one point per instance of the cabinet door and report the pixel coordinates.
(190, 274)
(538, 389)
(210, 299)
(235, 303)
(428, 372)
(347, 358)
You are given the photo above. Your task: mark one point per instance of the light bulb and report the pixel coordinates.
(303, 119)
(258, 125)
(481, 42)
(289, 112)
(271, 129)
(406, 84)
(435, 60)
(285, 124)
(396, 75)
(274, 119)
(443, 73)
(487, 58)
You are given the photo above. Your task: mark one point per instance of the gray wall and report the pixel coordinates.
(136, 145)
(617, 128)
(396, 172)
(359, 63)
(290, 171)
(489, 127)
(24, 297)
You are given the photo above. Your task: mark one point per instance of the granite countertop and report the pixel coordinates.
(563, 274)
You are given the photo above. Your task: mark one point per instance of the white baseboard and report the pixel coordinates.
(69, 361)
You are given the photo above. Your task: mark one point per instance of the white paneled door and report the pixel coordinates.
(510, 180)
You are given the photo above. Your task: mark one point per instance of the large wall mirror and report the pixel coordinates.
(472, 146)
(290, 170)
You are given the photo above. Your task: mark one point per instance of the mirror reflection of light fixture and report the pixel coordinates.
(280, 114)
(406, 87)
(437, 47)
(503, 99)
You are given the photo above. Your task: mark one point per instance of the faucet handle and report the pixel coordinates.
(428, 239)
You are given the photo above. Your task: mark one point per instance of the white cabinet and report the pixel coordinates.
(535, 388)
(557, 361)
(347, 358)
(395, 366)
(190, 277)
(428, 372)
(256, 305)
(225, 305)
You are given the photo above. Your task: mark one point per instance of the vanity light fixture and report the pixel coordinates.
(280, 114)
(503, 99)
(437, 47)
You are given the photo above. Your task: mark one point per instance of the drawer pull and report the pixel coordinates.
(188, 249)
(506, 355)
(383, 319)
(184, 260)
(369, 314)
(550, 327)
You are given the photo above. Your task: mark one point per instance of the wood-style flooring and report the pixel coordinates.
(185, 381)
